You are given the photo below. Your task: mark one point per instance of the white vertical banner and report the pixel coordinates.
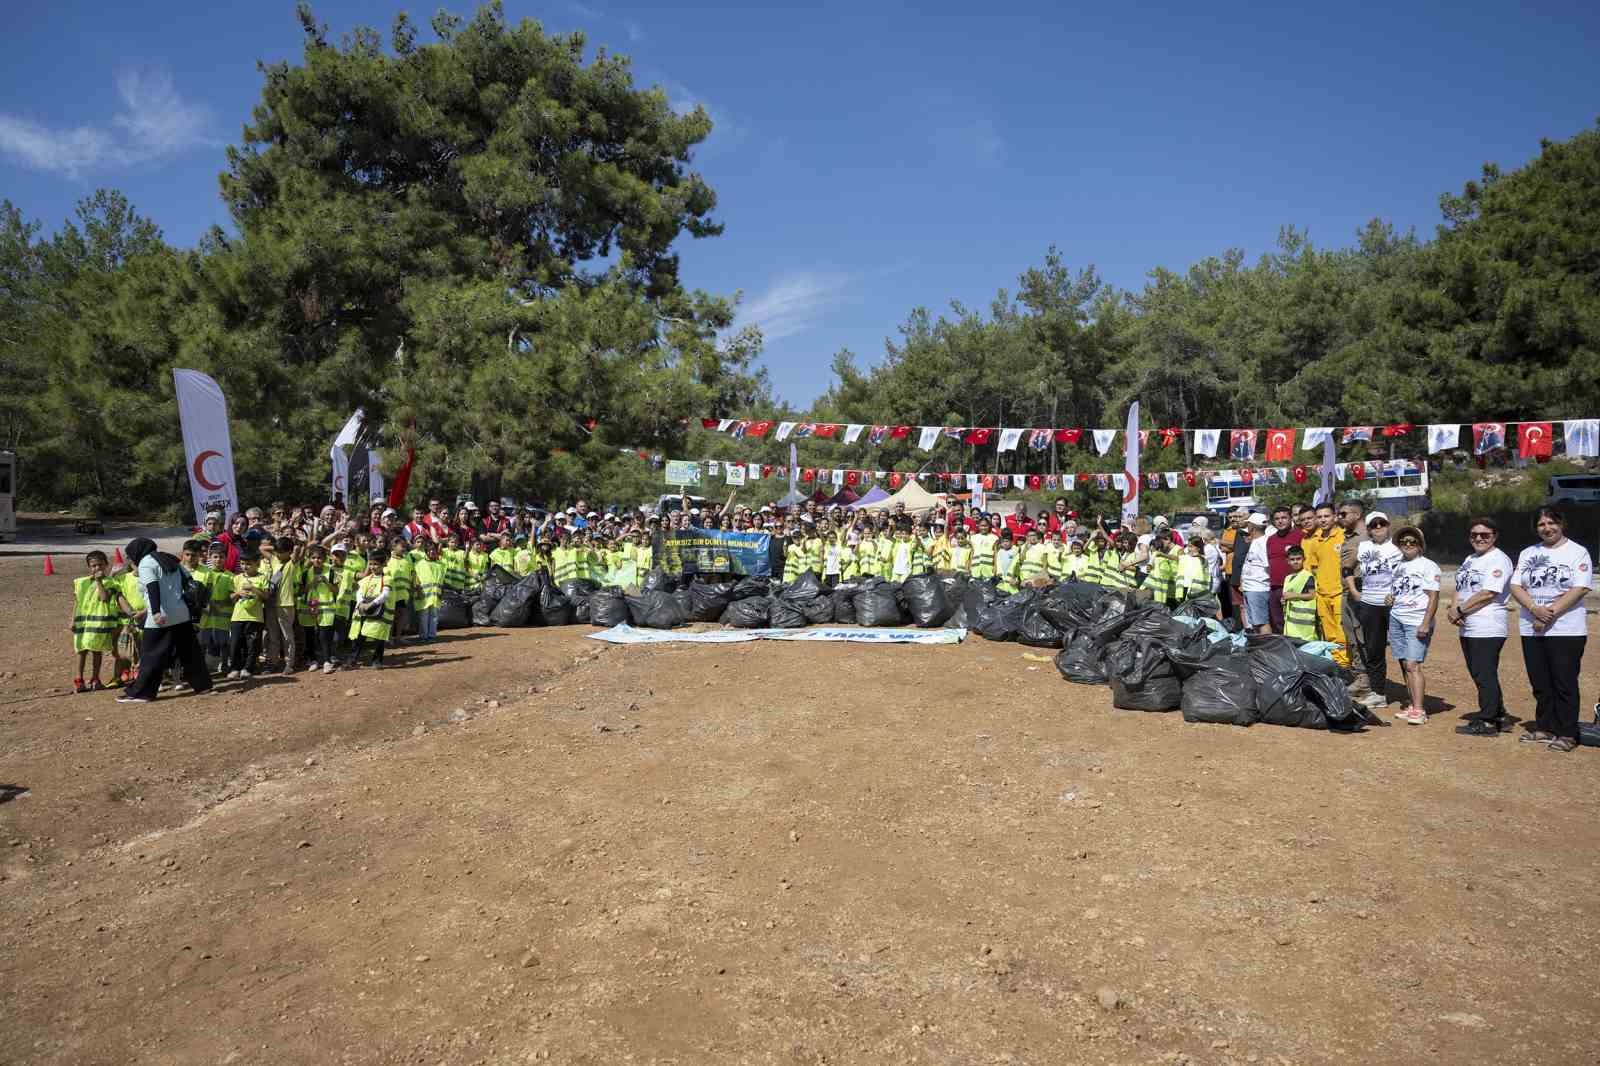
(207, 448)
(341, 459)
(375, 475)
(1130, 494)
(1329, 473)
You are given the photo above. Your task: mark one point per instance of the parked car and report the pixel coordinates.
(1574, 488)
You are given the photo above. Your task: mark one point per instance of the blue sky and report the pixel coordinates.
(871, 157)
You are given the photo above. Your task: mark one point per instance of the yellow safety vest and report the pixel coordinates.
(1299, 616)
(94, 622)
(378, 627)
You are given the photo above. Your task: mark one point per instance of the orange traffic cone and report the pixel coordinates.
(49, 567)
(119, 556)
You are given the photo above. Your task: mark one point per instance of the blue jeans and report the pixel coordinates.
(428, 623)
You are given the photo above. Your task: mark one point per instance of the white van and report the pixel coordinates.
(1574, 488)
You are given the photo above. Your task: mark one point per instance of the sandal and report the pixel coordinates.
(1562, 744)
(1534, 736)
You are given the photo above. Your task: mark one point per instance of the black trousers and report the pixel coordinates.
(244, 641)
(363, 644)
(323, 643)
(160, 648)
(1275, 609)
(1374, 621)
(1482, 655)
(1552, 664)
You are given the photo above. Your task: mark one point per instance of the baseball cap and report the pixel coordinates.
(1160, 520)
(469, 505)
(340, 547)
(1376, 516)
(387, 511)
(1200, 522)
(591, 514)
(1258, 519)
(694, 510)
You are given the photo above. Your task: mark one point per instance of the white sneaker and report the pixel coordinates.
(327, 667)
(234, 675)
(312, 667)
(1372, 701)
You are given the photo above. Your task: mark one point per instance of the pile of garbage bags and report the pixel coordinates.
(1154, 658)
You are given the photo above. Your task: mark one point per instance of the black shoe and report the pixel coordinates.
(1480, 727)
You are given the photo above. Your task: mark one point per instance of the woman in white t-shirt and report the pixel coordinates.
(1482, 585)
(1412, 601)
(1368, 589)
(1550, 582)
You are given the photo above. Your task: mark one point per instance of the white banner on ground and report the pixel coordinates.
(207, 449)
(626, 634)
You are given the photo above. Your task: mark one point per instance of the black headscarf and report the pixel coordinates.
(139, 547)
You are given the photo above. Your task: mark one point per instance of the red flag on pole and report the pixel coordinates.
(402, 481)
(1533, 440)
(1280, 445)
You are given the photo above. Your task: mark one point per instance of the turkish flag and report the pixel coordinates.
(1068, 436)
(1399, 429)
(1300, 475)
(1358, 471)
(1035, 482)
(988, 483)
(1247, 475)
(896, 480)
(979, 436)
(827, 429)
(1169, 436)
(1190, 478)
(1280, 445)
(900, 432)
(1533, 440)
(758, 429)
(710, 423)
(808, 474)
(1084, 479)
(852, 477)
(766, 470)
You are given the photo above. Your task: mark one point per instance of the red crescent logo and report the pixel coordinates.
(338, 484)
(1133, 487)
(200, 471)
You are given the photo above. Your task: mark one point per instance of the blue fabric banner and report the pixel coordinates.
(715, 551)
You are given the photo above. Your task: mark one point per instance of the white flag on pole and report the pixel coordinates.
(1130, 490)
(1444, 438)
(1009, 438)
(1205, 441)
(207, 448)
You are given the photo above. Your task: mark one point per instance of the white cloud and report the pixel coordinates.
(793, 303)
(634, 29)
(155, 122)
(684, 100)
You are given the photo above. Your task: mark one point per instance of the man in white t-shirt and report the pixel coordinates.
(1254, 581)
(1413, 600)
(1483, 583)
(1368, 587)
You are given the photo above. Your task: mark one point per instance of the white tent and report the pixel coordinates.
(916, 498)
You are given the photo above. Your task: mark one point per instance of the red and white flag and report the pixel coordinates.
(207, 448)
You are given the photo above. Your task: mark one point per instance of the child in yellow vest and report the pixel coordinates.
(212, 627)
(959, 560)
(372, 624)
(95, 621)
(1299, 597)
(248, 617)
(320, 604)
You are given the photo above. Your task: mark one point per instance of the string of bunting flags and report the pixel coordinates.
(1534, 440)
(740, 473)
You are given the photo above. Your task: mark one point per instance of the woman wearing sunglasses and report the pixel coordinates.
(1413, 601)
(1550, 582)
(1483, 584)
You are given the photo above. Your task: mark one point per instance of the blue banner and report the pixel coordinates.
(715, 551)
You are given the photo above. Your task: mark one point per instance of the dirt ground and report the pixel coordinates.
(768, 853)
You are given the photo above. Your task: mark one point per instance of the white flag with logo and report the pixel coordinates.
(1103, 439)
(754, 471)
(1444, 438)
(784, 429)
(930, 435)
(1582, 437)
(852, 433)
(207, 449)
(341, 459)
(736, 474)
(1314, 436)
(1205, 441)
(1172, 479)
(1009, 439)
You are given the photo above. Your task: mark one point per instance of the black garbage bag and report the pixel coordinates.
(704, 601)
(748, 612)
(496, 583)
(844, 601)
(1273, 654)
(979, 594)
(1071, 604)
(803, 588)
(1141, 676)
(750, 586)
(1036, 630)
(1221, 692)
(923, 598)
(818, 612)
(1309, 701)
(1003, 620)
(1115, 612)
(878, 603)
(579, 592)
(608, 607)
(553, 608)
(784, 613)
(655, 610)
(955, 591)
(516, 607)
(1082, 659)
(658, 580)
(455, 610)
(1204, 605)
(1193, 650)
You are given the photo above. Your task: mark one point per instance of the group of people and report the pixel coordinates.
(320, 587)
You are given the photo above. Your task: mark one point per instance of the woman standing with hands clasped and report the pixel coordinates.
(1550, 582)
(1413, 601)
(1482, 583)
